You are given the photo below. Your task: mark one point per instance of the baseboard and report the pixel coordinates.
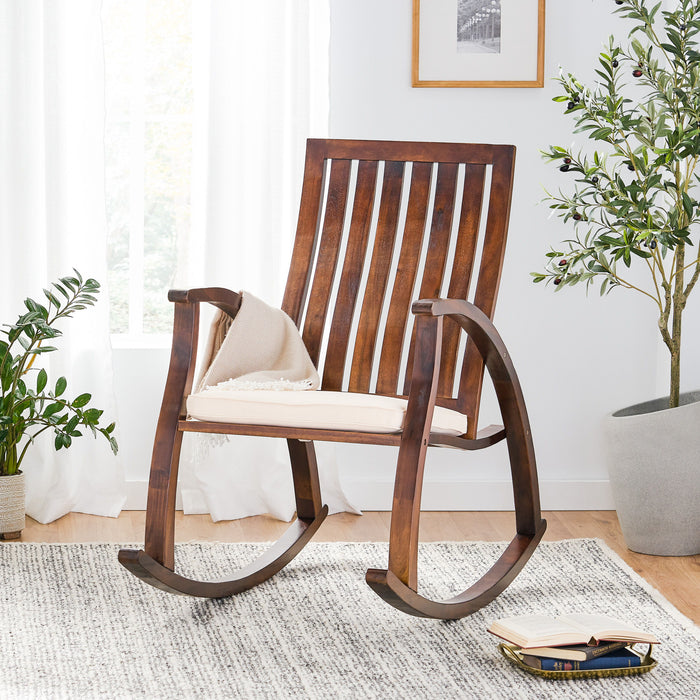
(486, 495)
(452, 495)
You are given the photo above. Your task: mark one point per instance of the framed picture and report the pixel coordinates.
(478, 43)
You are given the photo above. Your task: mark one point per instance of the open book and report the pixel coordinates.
(530, 631)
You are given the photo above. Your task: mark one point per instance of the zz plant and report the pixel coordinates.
(633, 201)
(28, 405)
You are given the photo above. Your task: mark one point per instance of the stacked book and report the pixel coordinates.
(577, 642)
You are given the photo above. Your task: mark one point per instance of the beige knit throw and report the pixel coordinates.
(260, 349)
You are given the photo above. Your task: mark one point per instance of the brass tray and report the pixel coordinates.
(512, 653)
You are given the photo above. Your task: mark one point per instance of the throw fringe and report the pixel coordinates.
(280, 384)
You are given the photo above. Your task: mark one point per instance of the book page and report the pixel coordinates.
(537, 630)
(601, 625)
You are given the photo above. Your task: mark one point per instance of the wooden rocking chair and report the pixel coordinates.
(391, 218)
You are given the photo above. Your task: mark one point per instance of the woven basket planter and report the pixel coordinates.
(11, 506)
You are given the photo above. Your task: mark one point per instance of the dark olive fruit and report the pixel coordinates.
(557, 280)
(571, 105)
(636, 73)
(615, 63)
(567, 160)
(630, 166)
(564, 168)
(562, 262)
(577, 217)
(594, 179)
(652, 245)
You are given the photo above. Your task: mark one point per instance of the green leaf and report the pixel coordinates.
(688, 204)
(61, 290)
(62, 440)
(61, 385)
(81, 400)
(52, 409)
(41, 380)
(52, 299)
(92, 416)
(42, 349)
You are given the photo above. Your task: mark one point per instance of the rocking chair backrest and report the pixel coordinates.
(382, 224)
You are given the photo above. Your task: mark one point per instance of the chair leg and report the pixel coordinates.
(307, 490)
(398, 584)
(158, 573)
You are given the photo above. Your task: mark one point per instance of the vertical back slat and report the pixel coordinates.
(489, 279)
(495, 235)
(438, 244)
(308, 224)
(389, 363)
(378, 277)
(462, 266)
(329, 250)
(355, 254)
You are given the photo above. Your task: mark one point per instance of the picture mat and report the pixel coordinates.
(439, 59)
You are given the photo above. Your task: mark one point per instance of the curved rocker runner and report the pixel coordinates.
(369, 348)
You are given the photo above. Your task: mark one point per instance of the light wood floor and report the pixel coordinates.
(677, 578)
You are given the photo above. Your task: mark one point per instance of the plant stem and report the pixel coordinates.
(679, 300)
(8, 458)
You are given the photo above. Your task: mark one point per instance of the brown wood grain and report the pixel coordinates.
(378, 277)
(406, 273)
(328, 255)
(349, 287)
(462, 267)
(438, 245)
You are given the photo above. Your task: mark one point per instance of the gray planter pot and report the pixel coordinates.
(653, 455)
(11, 506)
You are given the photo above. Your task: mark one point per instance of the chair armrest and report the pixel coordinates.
(510, 399)
(491, 347)
(477, 325)
(224, 299)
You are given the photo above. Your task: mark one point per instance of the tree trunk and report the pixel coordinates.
(679, 300)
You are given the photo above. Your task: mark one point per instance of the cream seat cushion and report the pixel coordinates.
(326, 410)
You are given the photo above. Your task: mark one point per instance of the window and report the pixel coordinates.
(229, 91)
(148, 154)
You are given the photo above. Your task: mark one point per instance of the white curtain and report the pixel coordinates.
(261, 88)
(52, 218)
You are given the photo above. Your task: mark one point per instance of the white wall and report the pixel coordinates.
(578, 358)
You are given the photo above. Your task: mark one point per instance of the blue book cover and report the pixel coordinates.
(623, 658)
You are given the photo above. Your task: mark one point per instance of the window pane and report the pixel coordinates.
(167, 216)
(148, 68)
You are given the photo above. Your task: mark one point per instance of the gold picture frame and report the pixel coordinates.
(478, 43)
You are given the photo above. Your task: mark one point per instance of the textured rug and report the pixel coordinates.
(74, 624)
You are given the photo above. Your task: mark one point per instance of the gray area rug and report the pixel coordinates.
(74, 624)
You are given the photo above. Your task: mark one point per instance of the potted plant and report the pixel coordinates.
(30, 406)
(632, 201)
